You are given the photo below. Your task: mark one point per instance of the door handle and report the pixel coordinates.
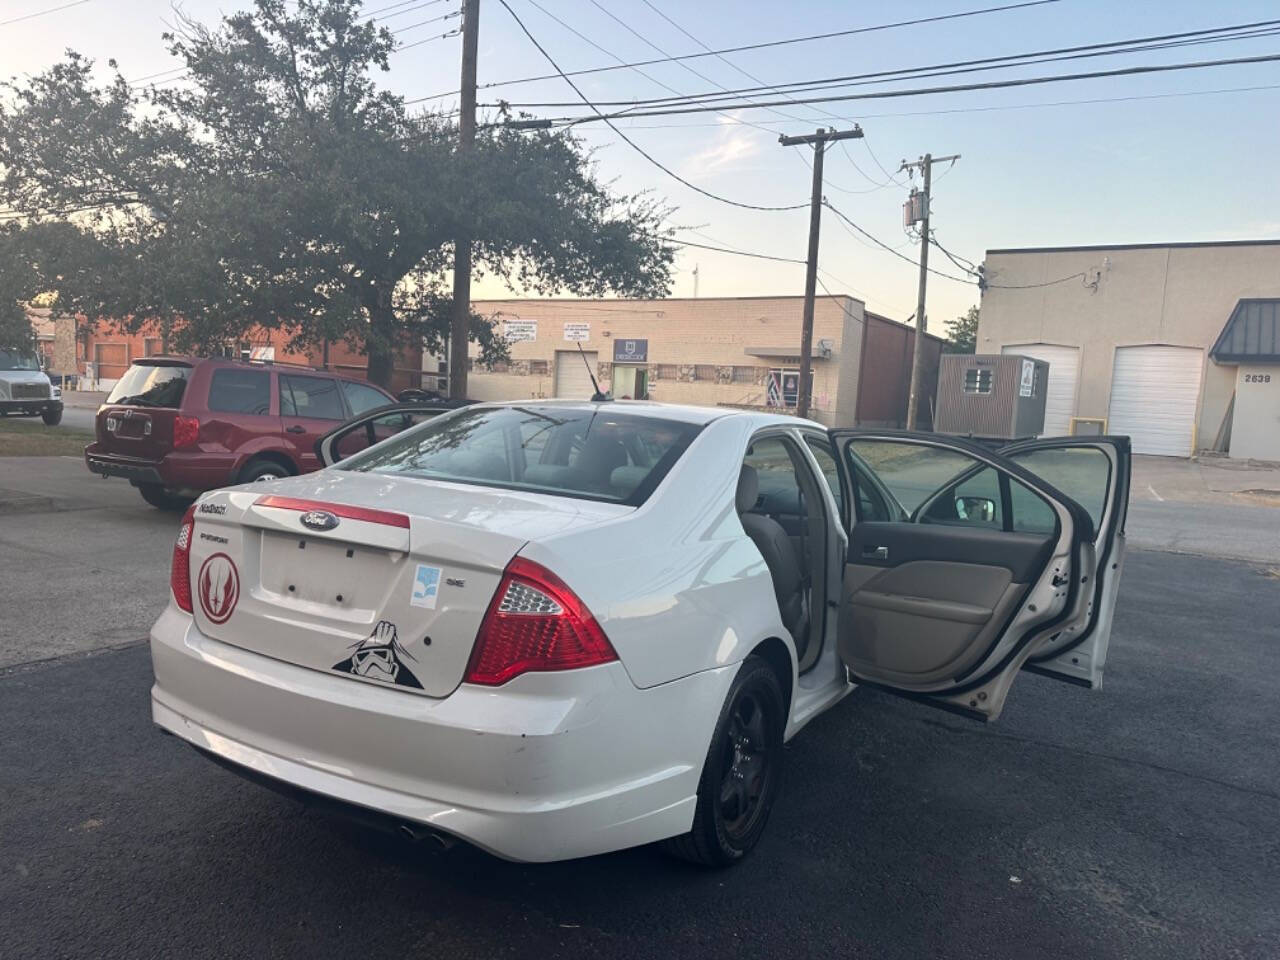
(875, 553)
(295, 429)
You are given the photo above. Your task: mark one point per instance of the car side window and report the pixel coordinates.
(939, 485)
(821, 450)
(315, 397)
(240, 391)
(1082, 473)
(362, 397)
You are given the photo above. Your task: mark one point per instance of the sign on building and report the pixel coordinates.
(577, 331)
(520, 331)
(631, 351)
(1027, 385)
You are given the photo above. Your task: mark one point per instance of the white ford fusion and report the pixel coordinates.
(555, 629)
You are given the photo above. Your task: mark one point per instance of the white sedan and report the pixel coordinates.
(555, 629)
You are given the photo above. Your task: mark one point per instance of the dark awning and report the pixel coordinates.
(1252, 334)
(821, 350)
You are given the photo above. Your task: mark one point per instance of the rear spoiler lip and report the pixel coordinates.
(345, 511)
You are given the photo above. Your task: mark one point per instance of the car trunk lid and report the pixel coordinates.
(393, 594)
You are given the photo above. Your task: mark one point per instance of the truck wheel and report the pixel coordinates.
(158, 497)
(51, 418)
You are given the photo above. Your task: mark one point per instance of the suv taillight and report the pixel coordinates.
(180, 569)
(186, 431)
(535, 622)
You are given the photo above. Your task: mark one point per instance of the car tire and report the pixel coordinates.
(742, 773)
(263, 470)
(159, 497)
(51, 418)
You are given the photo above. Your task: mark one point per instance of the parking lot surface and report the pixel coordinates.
(1139, 821)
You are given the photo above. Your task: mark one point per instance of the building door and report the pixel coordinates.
(1154, 390)
(111, 360)
(573, 376)
(630, 382)
(1060, 396)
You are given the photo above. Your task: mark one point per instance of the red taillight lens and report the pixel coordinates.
(535, 622)
(180, 569)
(186, 431)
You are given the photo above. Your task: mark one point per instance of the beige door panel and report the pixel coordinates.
(923, 622)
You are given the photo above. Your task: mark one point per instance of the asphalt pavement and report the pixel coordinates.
(1138, 821)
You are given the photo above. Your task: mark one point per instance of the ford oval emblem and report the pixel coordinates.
(319, 520)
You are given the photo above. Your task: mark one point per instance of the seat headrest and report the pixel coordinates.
(748, 488)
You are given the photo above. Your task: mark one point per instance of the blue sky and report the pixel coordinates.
(1176, 169)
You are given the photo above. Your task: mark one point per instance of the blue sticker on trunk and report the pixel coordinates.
(426, 585)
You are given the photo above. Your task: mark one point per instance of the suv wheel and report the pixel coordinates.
(742, 772)
(51, 417)
(263, 470)
(157, 496)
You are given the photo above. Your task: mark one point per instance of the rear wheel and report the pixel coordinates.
(157, 496)
(263, 470)
(742, 772)
(51, 417)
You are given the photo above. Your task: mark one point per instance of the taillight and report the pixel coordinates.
(186, 431)
(535, 622)
(180, 569)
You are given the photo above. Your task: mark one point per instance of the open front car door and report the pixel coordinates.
(966, 565)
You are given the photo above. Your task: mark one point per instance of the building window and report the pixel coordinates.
(666, 371)
(539, 368)
(705, 372)
(498, 366)
(746, 374)
(977, 380)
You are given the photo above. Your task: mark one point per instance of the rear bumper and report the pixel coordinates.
(548, 767)
(196, 471)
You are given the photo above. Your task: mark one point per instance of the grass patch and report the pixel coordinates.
(31, 438)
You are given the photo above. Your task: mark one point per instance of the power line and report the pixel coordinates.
(1256, 30)
(884, 246)
(41, 13)
(926, 91)
(756, 46)
(640, 150)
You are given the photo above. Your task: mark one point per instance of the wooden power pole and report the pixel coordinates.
(819, 139)
(925, 164)
(460, 321)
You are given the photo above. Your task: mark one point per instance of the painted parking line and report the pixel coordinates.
(1154, 494)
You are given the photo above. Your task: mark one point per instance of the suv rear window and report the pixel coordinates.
(240, 391)
(151, 385)
(587, 454)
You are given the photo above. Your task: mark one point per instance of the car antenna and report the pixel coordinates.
(597, 396)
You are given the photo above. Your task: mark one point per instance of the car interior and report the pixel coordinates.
(781, 509)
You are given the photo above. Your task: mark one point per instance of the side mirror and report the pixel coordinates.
(976, 509)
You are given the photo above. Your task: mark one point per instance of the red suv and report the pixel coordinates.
(177, 426)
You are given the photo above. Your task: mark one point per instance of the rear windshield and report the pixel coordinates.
(589, 454)
(151, 385)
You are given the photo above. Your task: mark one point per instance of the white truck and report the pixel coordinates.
(25, 390)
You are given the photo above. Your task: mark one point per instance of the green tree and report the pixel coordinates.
(280, 186)
(962, 333)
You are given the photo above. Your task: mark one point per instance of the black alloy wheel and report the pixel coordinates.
(742, 772)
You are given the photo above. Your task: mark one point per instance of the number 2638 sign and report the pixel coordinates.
(1257, 378)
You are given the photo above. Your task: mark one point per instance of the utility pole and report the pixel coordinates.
(925, 164)
(460, 321)
(819, 139)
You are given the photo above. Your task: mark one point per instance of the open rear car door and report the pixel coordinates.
(965, 565)
(374, 426)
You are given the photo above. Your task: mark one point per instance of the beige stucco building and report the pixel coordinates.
(734, 351)
(1137, 335)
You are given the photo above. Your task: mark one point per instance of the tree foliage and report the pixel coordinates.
(962, 333)
(280, 186)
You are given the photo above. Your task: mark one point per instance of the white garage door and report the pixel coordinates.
(1064, 369)
(573, 377)
(1153, 398)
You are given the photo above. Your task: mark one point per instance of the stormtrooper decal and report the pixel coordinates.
(380, 656)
